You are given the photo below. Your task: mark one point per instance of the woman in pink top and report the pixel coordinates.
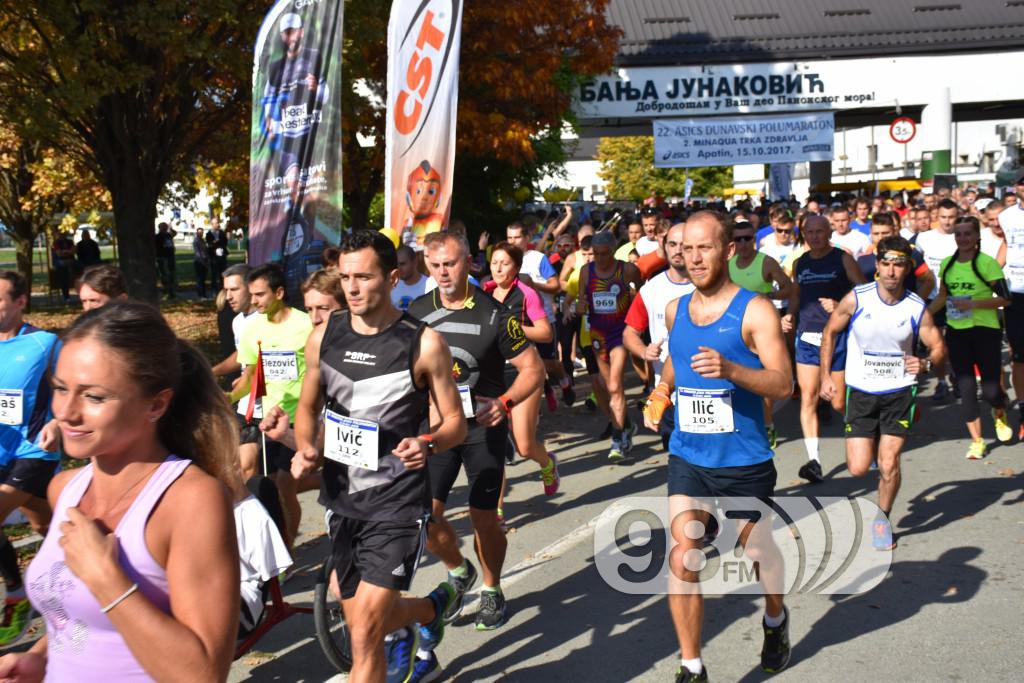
(138, 576)
(506, 260)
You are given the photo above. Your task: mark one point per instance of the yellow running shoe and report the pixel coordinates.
(1004, 432)
(977, 450)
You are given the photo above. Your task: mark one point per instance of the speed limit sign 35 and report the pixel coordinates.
(903, 130)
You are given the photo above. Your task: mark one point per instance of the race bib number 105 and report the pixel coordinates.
(704, 411)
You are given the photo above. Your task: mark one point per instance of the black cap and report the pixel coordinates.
(1018, 178)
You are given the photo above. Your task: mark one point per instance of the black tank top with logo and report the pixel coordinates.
(370, 377)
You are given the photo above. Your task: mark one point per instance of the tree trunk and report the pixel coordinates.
(359, 210)
(134, 222)
(23, 257)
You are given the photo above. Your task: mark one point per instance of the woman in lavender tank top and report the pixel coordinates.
(138, 577)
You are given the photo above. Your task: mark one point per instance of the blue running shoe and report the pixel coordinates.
(881, 534)
(400, 650)
(443, 598)
(426, 670)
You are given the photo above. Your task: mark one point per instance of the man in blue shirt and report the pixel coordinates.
(862, 216)
(25, 468)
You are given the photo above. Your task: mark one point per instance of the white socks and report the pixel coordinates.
(694, 666)
(812, 449)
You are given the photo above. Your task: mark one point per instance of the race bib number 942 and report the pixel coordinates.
(280, 366)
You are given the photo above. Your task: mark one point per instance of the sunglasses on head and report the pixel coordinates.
(648, 211)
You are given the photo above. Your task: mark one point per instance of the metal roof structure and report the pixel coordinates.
(669, 32)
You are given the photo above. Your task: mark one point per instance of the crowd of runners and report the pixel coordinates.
(405, 368)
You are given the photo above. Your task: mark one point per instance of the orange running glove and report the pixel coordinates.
(658, 402)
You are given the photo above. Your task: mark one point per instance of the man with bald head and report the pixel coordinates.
(726, 353)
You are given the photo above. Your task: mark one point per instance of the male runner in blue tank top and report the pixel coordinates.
(726, 353)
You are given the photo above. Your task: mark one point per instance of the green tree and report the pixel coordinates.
(627, 166)
(37, 183)
(133, 90)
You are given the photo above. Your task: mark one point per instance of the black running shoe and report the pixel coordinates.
(568, 396)
(607, 433)
(493, 611)
(811, 471)
(775, 652)
(684, 675)
(461, 585)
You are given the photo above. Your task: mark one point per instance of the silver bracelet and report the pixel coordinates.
(124, 596)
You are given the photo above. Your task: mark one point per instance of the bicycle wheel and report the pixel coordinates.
(331, 632)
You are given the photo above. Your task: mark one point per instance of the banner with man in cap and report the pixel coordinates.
(295, 164)
(423, 96)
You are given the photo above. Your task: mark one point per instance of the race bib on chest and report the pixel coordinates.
(884, 365)
(12, 406)
(1015, 278)
(605, 302)
(812, 338)
(954, 313)
(467, 401)
(704, 411)
(280, 366)
(351, 441)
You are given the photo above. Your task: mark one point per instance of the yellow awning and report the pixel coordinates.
(733, 191)
(899, 185)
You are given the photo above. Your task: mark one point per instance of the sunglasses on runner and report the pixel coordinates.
(742, 238)
(783, 231)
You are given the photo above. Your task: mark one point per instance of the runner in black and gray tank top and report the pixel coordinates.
(370, 378)
(371, 371)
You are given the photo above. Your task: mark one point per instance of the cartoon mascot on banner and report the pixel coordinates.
(422, 198)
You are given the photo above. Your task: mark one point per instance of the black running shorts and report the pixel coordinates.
(748, 481)
(868, 415)
(483, 454)
(384, 554)
(1014, 316)
(30, 475)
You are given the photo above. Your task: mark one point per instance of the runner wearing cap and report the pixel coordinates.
(885, 320)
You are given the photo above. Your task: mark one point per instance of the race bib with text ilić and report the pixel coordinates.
(280, 366)
(704, 411)
(351, 441)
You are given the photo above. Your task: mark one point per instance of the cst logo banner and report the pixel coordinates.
(423, 80)
(722, 546)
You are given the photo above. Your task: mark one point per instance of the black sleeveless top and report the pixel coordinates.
(371, 378)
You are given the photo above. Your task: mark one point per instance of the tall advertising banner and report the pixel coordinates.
(295, 155)
(423, 97)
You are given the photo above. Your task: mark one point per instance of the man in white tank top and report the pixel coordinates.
(885, 321)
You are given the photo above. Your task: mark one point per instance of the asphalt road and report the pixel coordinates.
(949, 607)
